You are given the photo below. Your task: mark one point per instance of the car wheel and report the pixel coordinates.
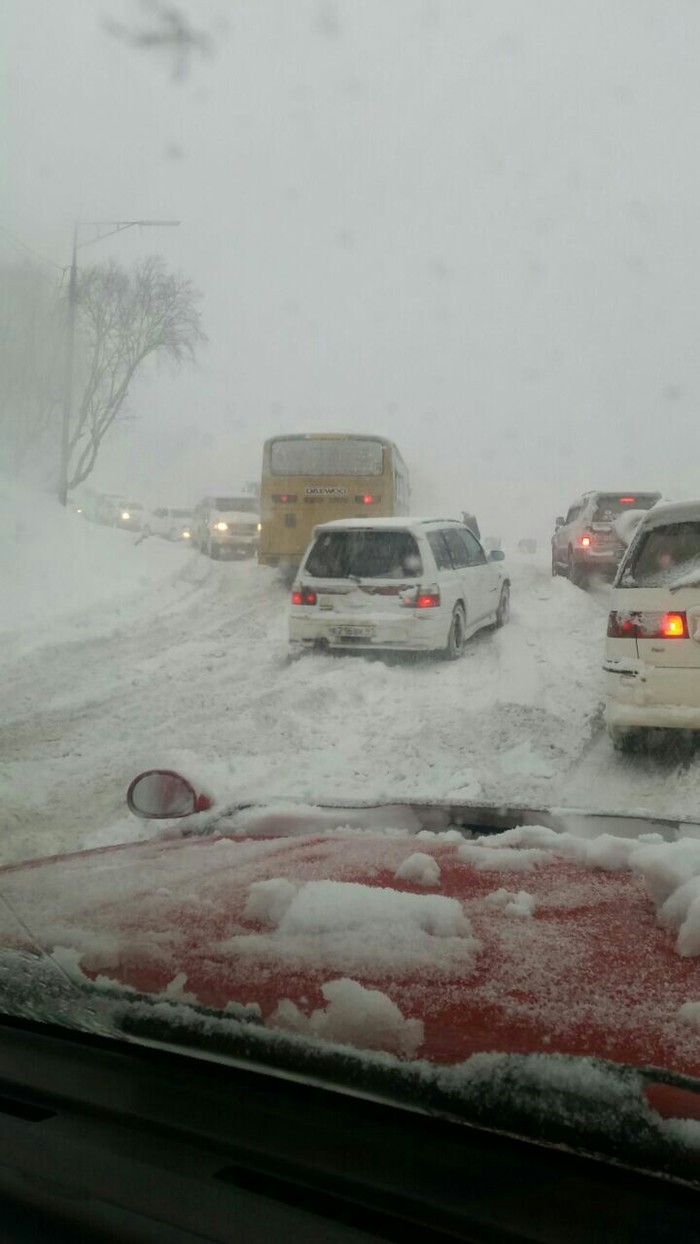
(555, 566)
(623, 740)
(454, 648)
(503, 611)
(576, 574)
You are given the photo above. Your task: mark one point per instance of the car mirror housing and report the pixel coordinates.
(497, 555)
(162, 793)
(558, 522)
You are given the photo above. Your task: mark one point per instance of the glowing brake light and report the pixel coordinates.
(285, 498)
(674, 626)
(304, 596)
(647, 625)
(367, 498)
(585, 542)
(421, 597)
(626, 500)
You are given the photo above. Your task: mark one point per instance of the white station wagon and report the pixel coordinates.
(653, 645)
(412, 584)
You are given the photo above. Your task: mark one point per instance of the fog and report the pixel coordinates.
(469, 226)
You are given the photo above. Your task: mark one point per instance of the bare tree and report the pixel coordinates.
(31, 345)
(124, 318)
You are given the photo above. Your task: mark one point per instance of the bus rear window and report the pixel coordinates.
(237, 505)
(611, 505)
(326, 457)
(364, 555)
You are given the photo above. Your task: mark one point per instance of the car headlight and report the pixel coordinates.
(259, 526)
(221, 526)
(126, 515)
(186, 535)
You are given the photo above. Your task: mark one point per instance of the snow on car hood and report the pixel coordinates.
(526, 942)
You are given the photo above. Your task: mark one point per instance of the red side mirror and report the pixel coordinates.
(163, 793)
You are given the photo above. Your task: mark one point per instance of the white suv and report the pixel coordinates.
(411, 584)
(653, 645)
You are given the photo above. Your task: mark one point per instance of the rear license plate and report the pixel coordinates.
(352, 632)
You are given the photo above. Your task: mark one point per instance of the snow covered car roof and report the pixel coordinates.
(671, 512)
(393, 524)
(421, 946)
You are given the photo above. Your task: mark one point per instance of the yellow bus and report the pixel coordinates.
(310, 479)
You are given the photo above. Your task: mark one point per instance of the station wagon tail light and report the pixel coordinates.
(647, 625)
(421, 597)
(304, 596)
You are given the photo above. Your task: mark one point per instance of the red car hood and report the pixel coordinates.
(468, 949)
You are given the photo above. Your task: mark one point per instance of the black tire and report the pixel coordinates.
(503, 611)
(454, 648)
(555, 566)
(575, 573)
(625, 741)
(214, 551)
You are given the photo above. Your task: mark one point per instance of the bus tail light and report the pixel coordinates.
(284, 498)
(367, 498)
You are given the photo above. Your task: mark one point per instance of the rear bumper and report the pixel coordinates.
(411, 631)
(604, 562)
(234, 540)
(643, 695)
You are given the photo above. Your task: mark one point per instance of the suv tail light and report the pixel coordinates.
(586, 541)
(421, 597)
(647, 625)
(304, 596)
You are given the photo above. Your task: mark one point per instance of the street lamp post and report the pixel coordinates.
(112, 226)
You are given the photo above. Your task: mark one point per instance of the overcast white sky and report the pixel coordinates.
(471, 225)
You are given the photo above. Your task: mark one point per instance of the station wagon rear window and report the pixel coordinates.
(327, 457)
(364, 555)
(664, 556)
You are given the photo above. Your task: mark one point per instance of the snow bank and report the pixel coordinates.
(60, 566)
(364, 1018)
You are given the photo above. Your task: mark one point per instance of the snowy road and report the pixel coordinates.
(192, 672)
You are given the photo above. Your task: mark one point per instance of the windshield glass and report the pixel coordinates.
(364, 555)
(326, 457)
(433, 785)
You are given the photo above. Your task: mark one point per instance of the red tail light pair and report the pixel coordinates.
(647, 625)
(304, 596)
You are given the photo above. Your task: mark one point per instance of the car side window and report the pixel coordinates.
(573, 513)
(477, 556)
(458, 548)
(440, 551)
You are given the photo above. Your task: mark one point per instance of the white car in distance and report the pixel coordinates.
(170, 524)
(652, 660)
(401, 584)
